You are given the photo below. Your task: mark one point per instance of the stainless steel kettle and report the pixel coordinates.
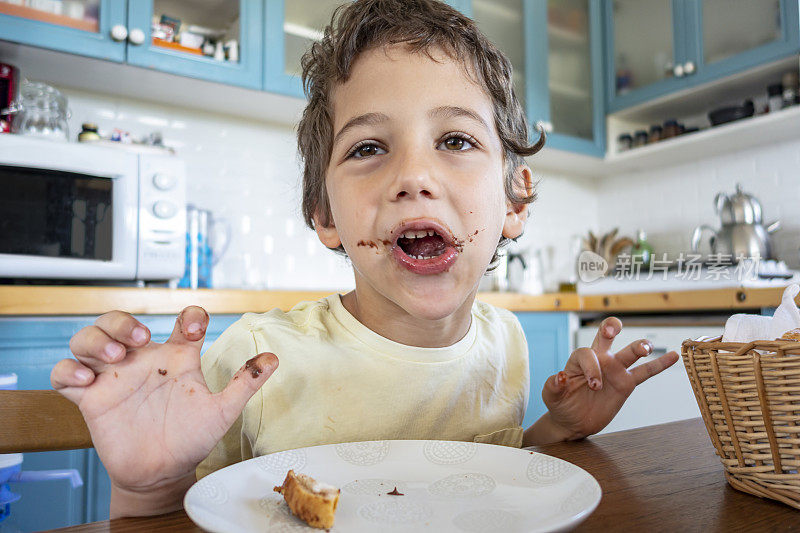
(741, 234)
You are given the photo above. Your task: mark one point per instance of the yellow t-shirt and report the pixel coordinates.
(339, 381)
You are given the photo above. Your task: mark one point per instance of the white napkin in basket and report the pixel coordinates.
(747, 328)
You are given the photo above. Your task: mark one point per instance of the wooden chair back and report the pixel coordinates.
(39, 421)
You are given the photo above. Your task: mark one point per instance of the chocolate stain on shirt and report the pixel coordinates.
(395, 492)
(162, 371)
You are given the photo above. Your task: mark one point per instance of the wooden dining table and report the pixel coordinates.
(657, 478)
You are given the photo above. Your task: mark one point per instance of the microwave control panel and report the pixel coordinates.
(162, 217)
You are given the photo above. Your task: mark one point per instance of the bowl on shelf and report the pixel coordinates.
(723, 115)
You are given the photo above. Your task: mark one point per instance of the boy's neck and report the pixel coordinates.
(392, 322)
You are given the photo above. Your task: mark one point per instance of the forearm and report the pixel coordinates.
(155, 501)
(545, 431)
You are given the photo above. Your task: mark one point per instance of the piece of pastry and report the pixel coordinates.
(310, 500)
(791, 335)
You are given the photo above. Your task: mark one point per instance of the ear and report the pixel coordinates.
(517, 214)
(328, 235)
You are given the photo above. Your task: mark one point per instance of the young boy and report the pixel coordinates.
(413, 145)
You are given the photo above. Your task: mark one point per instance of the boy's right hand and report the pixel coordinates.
(147, 406)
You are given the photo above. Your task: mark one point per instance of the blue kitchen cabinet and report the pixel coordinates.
(81, 28)
(290, 28)
(30, 347)
(548, 336)
(555, 48)
(658, 47)
(238, 21)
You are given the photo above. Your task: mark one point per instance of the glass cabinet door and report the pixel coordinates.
(292, 27)
(503, 23)
(731, 27)
(207, 39)
(94, 28)
(644, 44)
(569, 63)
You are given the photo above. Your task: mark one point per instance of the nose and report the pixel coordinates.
(414, 177)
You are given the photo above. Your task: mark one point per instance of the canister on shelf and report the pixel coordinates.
(624, 142)
(655, 133)
(639, 139)
(671, 129)
(775, 97)
(88, 132)
(791, 89)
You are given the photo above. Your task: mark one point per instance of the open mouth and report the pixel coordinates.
(422, 244)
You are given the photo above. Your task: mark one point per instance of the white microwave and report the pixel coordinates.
(76, 211)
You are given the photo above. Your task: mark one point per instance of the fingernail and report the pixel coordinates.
(609, 331)
(113, 350)
(83, 375)
(139, 334)
(648, 346)
(193, 328)
(594, 383)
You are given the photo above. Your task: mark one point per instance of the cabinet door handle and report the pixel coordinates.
(119, 33)
(136, 37)
(688, 67)
(678, 71)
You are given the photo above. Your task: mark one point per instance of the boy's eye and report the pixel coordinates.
(456, 144)
(366, 150)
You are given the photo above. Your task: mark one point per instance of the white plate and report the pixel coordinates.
(446, 486)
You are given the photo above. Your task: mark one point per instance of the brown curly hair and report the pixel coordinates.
(422, 25)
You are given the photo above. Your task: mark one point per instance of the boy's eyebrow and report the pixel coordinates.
(449, 111)
(367, 119)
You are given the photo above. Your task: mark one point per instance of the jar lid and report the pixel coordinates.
(89, 126)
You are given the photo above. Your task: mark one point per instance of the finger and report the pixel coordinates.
(247, 380)
(609, 328)
(123, 328)
(554, 387)
(590, 367)
(649, 369)
(190, 326)
(95, 349)
(70, 378)
(632, 352)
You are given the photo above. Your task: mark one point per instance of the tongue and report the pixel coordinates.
(432, 245)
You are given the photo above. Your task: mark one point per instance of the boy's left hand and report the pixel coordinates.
(584, 397)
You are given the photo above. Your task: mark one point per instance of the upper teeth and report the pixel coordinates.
(418, 234)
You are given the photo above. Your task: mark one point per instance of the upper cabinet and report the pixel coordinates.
(655, 47)
(290, 28)
(555, 50)
(94, 28)
(219, 40)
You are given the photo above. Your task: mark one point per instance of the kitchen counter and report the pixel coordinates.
(658, 478)
(20, 300)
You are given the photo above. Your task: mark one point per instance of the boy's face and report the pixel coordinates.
(416, 152)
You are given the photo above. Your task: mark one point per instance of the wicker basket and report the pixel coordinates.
(749, 396)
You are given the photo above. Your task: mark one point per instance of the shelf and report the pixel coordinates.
(177, 47)
(89, 25)
(569, 91)
(562, 35)
(742, 134)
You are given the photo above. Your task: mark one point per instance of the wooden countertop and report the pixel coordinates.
(657, 478)
(16, 300)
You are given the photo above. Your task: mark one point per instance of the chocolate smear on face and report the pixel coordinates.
(368, 243)
(162, 371)
(395, 492)
(252, 367)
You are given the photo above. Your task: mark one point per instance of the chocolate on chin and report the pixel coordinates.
(309, 500)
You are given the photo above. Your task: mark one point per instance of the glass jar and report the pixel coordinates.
(41, 111)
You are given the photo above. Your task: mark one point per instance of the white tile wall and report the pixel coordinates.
(248, 174)
(669, 202)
